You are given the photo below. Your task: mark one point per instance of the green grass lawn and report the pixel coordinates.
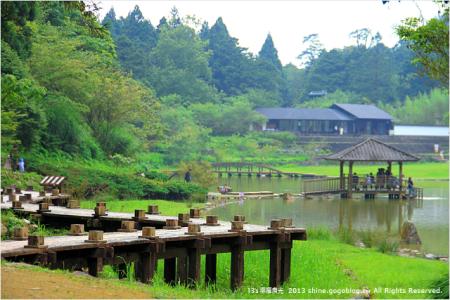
(414, 170)
(320, 268)
(170, 208)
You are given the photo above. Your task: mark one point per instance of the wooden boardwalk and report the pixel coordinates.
(253, 169)
(180, 251)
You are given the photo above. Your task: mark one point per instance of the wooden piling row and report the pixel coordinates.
(180, 248)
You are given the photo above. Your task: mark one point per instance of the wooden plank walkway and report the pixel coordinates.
(181, 251)
(61, 215)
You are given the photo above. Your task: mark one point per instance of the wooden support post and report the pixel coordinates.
(182, 270)
(286, 263)
(350, 179)
(95, 265)
(275, 265)
(145, 267)
(169, 270)
(52, 260)
(400, 175)
(194, 266)
(237, 265)
(211, 268)
(341, 175)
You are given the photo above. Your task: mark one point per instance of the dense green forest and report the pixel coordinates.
(182, 90)
(220, 68)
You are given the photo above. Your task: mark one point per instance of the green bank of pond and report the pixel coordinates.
(426, 170)
(320, 269)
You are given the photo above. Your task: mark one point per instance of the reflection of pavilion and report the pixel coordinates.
(385, 182)
(385, 215)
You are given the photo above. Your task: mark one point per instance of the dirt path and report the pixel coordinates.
(19, 282)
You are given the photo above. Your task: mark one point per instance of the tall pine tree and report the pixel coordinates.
(269, 53)
(135, 37)
(229, 62)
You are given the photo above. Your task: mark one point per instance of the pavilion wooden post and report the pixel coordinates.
(350, 179)
(400, 175)
(341, 175)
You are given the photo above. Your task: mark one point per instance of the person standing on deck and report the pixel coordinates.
(410, 186)
(355, 181)
(187, 176)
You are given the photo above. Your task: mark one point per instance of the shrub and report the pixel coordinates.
(201, 172)
(21, 180)
(156, 176)
(346, 236)
(320, 234)
(387, 246)
(10, 221)
(367, 237)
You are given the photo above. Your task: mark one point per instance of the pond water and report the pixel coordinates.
(379, 215)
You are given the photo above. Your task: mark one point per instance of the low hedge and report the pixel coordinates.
(22, 180)
(85, 182)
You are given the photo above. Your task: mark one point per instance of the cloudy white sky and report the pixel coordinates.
(288, 21)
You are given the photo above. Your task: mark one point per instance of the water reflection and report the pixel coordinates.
(376, 214)
(381, 215)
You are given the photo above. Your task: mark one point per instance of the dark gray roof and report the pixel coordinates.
(284, 113)
(363, 111)
(372, 150)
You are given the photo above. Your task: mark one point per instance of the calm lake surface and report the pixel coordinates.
(381, 215)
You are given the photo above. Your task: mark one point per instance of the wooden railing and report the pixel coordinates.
(378, 184)
(322, 185)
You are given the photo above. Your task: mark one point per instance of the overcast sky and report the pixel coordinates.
(288, 21)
